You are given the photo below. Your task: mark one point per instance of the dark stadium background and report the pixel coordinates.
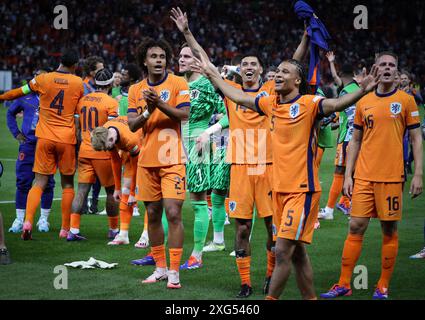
(113, 29)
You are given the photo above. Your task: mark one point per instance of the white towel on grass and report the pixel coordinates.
(92, 263)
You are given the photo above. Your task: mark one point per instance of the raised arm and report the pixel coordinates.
(182, 23)
(331, 58)
(368, 84)
(205, 67)
(302, 49)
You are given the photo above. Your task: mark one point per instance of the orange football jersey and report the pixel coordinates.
(59, 95)
(161, 137)
(127, 140)
(94, 110)
(249, 132)
(384, 120)
(294, 128)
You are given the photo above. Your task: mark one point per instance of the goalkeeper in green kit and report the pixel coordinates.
(204, 171)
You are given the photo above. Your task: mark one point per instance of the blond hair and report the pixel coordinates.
(99, 137)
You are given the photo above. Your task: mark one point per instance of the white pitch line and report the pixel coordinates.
(8, 160)
(54, 199)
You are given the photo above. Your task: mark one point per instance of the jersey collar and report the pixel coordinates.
(383, 95)
(158, 83)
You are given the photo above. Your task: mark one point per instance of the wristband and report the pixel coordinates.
(146, 114)
(213, 129)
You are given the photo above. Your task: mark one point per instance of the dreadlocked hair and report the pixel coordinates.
(302, 73)
(103, 75)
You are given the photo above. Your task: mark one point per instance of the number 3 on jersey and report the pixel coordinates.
(57, 102)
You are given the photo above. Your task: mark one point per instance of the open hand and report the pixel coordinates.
(180, 19)
(370, 81)
(330, 55)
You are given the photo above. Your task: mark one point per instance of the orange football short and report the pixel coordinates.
(50, 155)
(154, 184)
(249, 185)
(377, 200)
(341, 154)
(295, 215)
(88, 169)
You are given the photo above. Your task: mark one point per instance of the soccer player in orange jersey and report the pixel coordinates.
(376, 158)
(115, 136)
(158, 104)
(94, 110)
(294, 120)
(250, 155)
(59, 93)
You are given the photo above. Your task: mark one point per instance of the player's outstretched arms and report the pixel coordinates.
(15, 93)
(368, 84)
(182, 23)
(416, 186)
(209, 70)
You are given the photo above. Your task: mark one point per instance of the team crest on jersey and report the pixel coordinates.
(262, 94)
(194, 94)
(232, 206)
(294, 110)
(395, 108)
(164, 95)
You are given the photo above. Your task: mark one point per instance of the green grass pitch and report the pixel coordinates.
(31, 275)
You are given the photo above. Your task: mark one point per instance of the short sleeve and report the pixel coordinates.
(358, 118)
(264, 104)
(316, 106)
(113, 109)
(36, 84)
(183, 95)
(412, 116)
(132, 107)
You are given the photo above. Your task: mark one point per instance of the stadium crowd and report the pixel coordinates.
(113, 29)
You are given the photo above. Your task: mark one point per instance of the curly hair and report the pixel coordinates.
(99, 136)
(148, 43)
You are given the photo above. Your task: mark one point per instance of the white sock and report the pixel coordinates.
(20, 214)
(218, 237)
(161, 270)
(115, 230)
(197, 255)
(124, 233)
(329, 210)
(75, 231)
(45, 213)
(145, 234)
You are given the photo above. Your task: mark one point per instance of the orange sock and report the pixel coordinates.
(345, 201)
(270, 298)
(75, 220)
(145, 226)
(33, 200)
(336, 189)
(126, 213)
(209, 200)
(113, 222)
(175, 258)
(66, 206)
(271, 261)
(389, 255)
(244, 268)
(350, 255)
(158, 254)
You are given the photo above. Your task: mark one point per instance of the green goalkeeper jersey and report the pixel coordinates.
(204, 101)
(346, 117)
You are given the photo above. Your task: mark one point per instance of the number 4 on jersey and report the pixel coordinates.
(57, 102)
